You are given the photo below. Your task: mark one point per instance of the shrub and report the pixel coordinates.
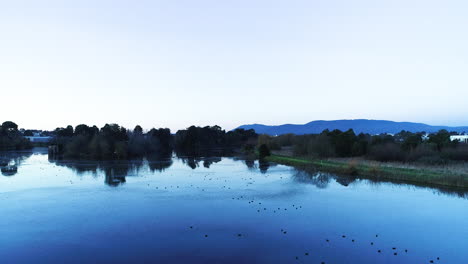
(386, 152)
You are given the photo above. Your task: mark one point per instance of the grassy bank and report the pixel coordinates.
(379, 172)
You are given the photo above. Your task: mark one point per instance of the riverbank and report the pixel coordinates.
(379, 171)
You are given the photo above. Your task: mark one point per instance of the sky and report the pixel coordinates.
(208, 62)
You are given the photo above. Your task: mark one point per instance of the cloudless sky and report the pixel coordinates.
(176, 63)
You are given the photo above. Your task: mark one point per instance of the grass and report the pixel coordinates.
(378, 172)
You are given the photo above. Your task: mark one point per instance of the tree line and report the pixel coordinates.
(113, 141)
(11, 138)
(116, 142)
(405, 146)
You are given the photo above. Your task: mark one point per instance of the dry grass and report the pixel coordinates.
(430, 175)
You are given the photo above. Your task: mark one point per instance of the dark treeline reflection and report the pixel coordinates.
(309, 175)
(115, 172)
(194, 162)
(11, 160)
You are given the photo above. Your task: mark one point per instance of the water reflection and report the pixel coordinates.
(310, 175)
(160, 165)
(115, 177)
(11, 160)
(250, 163)
(115, 173)
(263, 165)
(194, 162)
(192, 211)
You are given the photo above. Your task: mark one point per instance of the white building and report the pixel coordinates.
(461, 138)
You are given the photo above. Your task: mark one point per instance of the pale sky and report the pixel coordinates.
(176, 63)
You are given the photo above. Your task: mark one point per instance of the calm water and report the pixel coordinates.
(219, 211)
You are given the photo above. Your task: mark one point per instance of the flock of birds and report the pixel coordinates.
(259, 207)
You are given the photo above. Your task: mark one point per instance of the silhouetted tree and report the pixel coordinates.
(263, 151)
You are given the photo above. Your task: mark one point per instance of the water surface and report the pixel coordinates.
(219, 210)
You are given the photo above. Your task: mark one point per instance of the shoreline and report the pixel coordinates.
(377, 171)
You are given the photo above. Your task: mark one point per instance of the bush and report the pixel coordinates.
(458, 153)
(421, 152)
(386, 152)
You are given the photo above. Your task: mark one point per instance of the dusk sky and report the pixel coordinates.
(177, 63)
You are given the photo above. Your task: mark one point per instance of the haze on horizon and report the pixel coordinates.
(177, 63)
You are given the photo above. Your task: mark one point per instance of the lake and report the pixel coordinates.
(219, 210)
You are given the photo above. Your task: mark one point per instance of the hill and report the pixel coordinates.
(358, 125)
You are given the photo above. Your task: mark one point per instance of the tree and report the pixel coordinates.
(440, 139)
(138, 130)
(411, 142)
(263, 151)
(10, 126)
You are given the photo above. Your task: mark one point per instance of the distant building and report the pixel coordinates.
(461, 138)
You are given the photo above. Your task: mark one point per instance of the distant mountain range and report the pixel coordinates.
(358, 125)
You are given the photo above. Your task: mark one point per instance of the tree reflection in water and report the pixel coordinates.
(311, 176)
(263, 166)
(115, 172)
(193, 162)
(11, 160)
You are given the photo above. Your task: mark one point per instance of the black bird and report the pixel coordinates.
(307, 254)
(394, 248)
(372, 243)
(328, 240)
(206, 235)
(431, 261)
(352, 240)
(343, 236)
(379, 251)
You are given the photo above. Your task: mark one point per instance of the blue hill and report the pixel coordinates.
(358, 125)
